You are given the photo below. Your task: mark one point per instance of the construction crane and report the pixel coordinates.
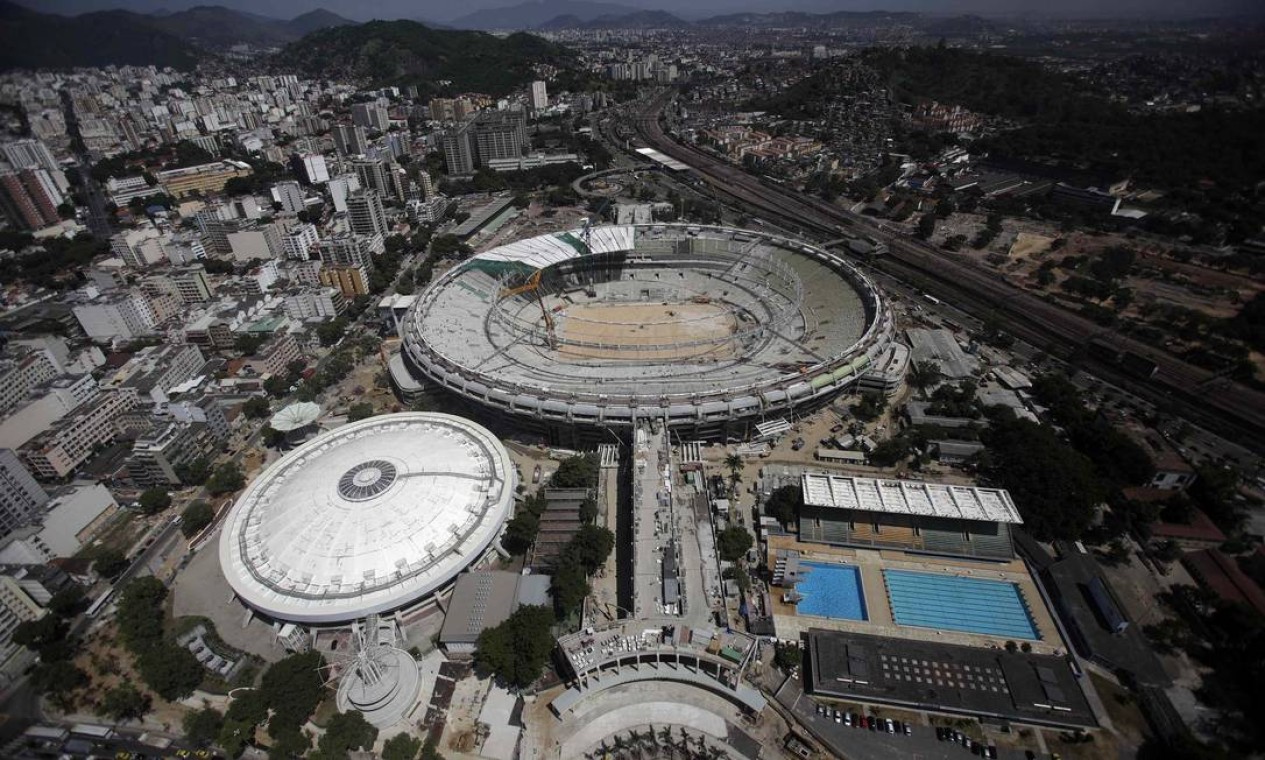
(532, 285)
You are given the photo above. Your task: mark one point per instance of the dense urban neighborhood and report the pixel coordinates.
(580, 380)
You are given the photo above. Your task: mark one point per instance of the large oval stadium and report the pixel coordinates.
(373, 516)
(711, 329)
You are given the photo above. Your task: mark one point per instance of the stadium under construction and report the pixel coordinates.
(594, 331)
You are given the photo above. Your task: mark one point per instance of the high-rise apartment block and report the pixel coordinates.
(539, 96)
(365, 213)
(370, 116)
(350, 140)
(289, 194)
(20, 496)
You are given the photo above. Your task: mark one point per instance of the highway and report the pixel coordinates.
(1189, 391)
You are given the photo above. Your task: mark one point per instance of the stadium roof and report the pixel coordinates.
(910, 497)
(660, 158)
(546, 250)
(367, 518)
(295, 416)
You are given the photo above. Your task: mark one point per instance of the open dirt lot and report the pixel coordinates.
(646, 325)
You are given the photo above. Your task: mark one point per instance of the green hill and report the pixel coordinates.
(395, 53)
(31, 40)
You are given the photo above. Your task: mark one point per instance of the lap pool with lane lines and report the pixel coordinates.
(832, 591)
(958, 603)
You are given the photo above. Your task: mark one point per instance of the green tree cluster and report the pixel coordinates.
(195, 518)
(733, 542)
(227, 478)
(153, 501)
(516, 650)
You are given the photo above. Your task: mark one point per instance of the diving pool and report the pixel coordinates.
(832, 591)
(957, 603)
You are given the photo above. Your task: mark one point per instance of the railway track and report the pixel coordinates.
(1231, 409)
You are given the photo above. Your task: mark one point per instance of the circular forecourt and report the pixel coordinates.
(709, 328)
(370, 517)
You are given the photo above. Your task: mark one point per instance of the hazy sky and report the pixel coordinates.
(443, 10)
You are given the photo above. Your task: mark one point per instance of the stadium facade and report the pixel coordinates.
(710, 330)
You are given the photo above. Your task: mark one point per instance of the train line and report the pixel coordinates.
(1193, 392)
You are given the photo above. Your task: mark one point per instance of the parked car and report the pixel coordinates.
(909, 730)
(891, 727)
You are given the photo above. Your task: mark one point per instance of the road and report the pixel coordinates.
(1191, 392)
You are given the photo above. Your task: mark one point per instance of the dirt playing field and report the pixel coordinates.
(645, 324)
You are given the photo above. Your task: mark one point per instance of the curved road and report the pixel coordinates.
(1193, 392)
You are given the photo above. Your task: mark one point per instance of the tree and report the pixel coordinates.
(784, 504)
(272, 438)
(36, 634)
(1054, 485)
(579, 471)
(429, 751)
(733, 543)
(278, 386)
(401, 747)
(58, 680)
(588, 510)
(67, 603)
(249, 343)
(589, 547)
(292, 688)
(296, 743)
(234, 735)
(203, 726)
(139, 615)
(520, 533)
(227, 478)
(256, 408)
(123, 702)
(109, 563)
(332, 331)
(195, 517)
(926, 226)
(733, 463)
(361, 411)
(171, 671)
(569, 586)
(194, 473)
(154, 500)
(346, 732)
(517, 649)
(787, 656)
(923, 375)
(870, 406)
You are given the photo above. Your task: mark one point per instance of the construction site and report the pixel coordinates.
(712, 330)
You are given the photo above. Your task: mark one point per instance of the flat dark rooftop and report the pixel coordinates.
(1068, 580)
(1028, 688)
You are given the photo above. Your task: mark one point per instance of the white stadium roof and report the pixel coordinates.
(367, 518)
(547, 250)
(295, 416)
(910, 497)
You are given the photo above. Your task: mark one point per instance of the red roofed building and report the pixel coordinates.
(1222, 576)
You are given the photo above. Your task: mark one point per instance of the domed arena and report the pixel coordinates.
(710, 329)
(374, 516)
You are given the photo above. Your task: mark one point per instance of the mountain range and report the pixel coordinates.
(409, 53)
(30, 39)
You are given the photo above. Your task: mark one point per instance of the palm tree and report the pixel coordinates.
(734, 463)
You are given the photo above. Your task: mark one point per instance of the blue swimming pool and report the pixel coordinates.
(832, 591)
(957, 603)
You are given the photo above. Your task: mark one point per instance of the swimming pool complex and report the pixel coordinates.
(832, 591)
(958, 603)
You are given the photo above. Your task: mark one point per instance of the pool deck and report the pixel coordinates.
(872, 562)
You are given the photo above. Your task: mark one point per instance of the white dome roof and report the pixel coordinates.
(295, 416)
(368, 517)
